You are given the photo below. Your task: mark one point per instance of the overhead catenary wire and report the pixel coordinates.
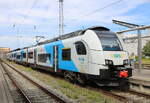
(99, 9)
(27, 13)
(94, 11)
(23, 20)
(90, 13)
(106, 6)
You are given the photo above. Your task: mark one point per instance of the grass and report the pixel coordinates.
(80, 94)
(144, 60)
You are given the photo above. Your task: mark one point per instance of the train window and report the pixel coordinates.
(44, 58)
(30, 55)
(14, 55)
(80, 48)
(66, 54)
(109, 41)
(110, 44)
(24, 55)
(18, 57)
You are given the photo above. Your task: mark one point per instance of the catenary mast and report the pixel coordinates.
(61, 18)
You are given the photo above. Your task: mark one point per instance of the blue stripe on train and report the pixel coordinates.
(62, 64)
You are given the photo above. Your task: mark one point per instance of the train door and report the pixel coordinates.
(27, 55)
(35, 57)
(55, 57)
(82, 56)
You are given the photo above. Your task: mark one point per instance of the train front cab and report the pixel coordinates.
(109, 64)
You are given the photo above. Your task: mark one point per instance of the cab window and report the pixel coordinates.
(80, 48)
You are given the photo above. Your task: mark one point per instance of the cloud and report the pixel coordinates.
(16, 20)
(77, 13)
(73, 11)
(85, 13)
(17, 41)
(37, 13)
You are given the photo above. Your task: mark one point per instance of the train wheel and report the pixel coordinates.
(81, 79)
(70, 76)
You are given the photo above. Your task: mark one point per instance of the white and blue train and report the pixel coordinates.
(95, 54)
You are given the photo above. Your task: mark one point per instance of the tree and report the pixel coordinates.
(146, 49)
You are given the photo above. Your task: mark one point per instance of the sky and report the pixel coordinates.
(22, 20)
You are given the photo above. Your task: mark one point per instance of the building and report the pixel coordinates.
(131, 42)
(3, 51)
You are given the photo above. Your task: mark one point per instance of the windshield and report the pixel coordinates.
(109, 41)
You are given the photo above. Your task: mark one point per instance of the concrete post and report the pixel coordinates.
(139, 51)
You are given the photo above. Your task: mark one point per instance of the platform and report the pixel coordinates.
(5, 96)
(144, 74)
(140, 81)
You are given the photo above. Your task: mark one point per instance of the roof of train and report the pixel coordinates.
(74, 34)
(66, 36)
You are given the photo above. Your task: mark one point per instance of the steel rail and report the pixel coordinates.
(16, 84)
(116, 96)
(123, 98)
(105, 92)
(119, 97)
(140, 94)
(144, 66)
(109, 93)
(57, 98)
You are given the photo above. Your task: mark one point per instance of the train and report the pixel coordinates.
(95, 54)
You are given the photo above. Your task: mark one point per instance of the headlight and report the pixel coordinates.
(126, 62)
(108, 62)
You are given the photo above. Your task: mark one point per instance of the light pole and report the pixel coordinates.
(61, 18)
(17, 30)
(38, 38)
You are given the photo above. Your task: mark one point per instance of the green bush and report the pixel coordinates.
(146, 49)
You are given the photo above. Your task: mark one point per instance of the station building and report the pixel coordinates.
(131, 42)
(3, 51)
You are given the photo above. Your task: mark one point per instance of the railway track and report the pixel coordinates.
(124, 97)
(144, 66)
(133, 96)
(30, 90)
(17, 94)
(26, 98)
